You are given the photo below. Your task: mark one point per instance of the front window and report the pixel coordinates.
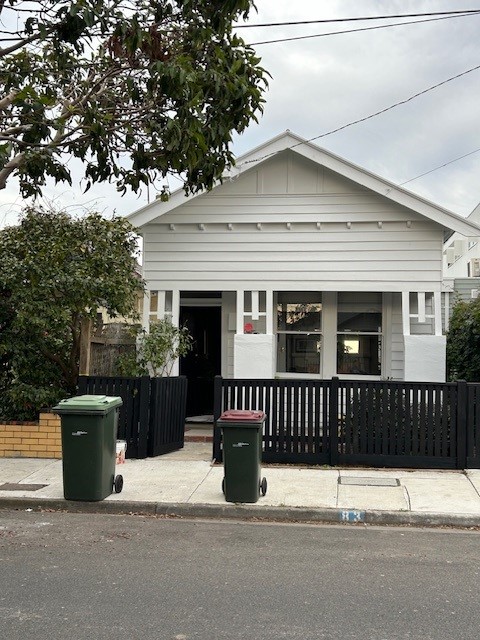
(359, 333)
(299, 323)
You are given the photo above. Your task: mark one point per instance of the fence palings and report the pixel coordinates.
(152, 417)
(348, 422)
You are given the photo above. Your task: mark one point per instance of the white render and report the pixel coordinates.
(293, 217)
(254, 356)
(425, 359)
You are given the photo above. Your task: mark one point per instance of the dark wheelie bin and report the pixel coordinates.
(242, 455)
(89, 433)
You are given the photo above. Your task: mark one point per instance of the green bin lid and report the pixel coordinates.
(98, 405)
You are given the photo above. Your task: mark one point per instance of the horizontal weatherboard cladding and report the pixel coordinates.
(291, 224)
(375, 259)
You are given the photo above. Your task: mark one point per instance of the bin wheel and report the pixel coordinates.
(263, 486)
(223, 486)
(118, 484)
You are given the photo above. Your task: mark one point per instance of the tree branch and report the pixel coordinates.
(7, 100)
(9, 168)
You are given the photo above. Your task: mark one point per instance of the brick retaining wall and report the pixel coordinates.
(40, 439)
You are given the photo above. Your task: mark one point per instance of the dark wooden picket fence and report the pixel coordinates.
(344, 422)
(152, 417)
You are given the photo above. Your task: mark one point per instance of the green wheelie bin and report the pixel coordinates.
(242, 455)
(89, 432)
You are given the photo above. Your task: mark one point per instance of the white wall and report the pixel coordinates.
(341, 237)
(457, 253)
(254, 356)
(425, 358)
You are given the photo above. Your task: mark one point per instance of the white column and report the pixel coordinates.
(424, 355)
(447, 310)
(406, 312)
(240, 311)
(161, 308)
(421, 306)
(146, 311)
(254, 353)
(269, 312)
(255, 308)
(437, 311)
(176, 322)
(175, 307)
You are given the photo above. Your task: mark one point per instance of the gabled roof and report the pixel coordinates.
(474, 216)
(289, 140)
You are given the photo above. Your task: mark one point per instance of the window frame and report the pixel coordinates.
(381, 335)
(317, 333)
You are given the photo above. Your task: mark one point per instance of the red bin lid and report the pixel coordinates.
(242, 415)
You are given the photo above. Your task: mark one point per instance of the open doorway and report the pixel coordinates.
(203, 362)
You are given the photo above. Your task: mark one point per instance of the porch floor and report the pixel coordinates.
(199, 432)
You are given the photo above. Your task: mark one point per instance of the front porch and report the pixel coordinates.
(297, 334)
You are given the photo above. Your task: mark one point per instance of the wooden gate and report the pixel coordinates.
(152, 417)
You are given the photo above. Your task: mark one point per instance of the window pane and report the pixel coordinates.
(354, 321)
(299, 316)
(298, 354)
(359, 354)
(359, 312)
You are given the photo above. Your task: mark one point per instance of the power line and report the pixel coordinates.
(372, 115)
(440, 167)
(379, 26)
(356, 19)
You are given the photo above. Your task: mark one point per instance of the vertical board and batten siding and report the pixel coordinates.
(350, 251)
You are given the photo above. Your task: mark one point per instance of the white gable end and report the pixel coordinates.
(293, 225)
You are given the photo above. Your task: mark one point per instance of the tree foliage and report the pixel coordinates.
(463, 341)
(157, 350)
(134, 89)
(56, 272)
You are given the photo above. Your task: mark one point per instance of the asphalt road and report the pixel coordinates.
(73, 576)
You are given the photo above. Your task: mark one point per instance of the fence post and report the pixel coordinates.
(82, 385)
(143, 418)
(461, 424)
(217, 410)
(333, 421)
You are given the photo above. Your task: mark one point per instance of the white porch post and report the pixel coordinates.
(176, 322)
(424, 344)
(254, 353)
(146, 310)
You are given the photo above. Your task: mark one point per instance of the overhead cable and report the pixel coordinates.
(356, 19)
(379, 26)
(445, 164)
(372, 115)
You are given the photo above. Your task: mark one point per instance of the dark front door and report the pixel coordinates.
(203, 363)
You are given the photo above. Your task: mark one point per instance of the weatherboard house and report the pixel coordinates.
(301, 264)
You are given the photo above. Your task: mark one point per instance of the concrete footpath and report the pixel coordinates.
(186, 483)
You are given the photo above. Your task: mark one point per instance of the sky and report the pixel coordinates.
(322, 83)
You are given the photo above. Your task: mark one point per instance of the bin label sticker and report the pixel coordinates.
(240, 444)
(79, 433)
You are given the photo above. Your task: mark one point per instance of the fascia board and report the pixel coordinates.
(389, 190)
(154, 210)
(286, 140)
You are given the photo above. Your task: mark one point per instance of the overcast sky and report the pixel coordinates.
(323, 83)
